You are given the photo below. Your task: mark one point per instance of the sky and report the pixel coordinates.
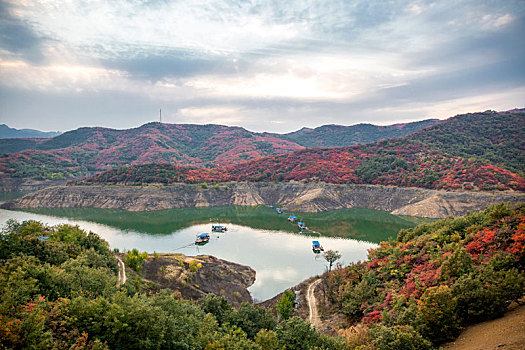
(270, 65)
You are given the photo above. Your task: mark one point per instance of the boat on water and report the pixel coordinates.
(219, 228)
(279, 210)
(317, 247)
(202, 239)
(292, 218)
(302, 225)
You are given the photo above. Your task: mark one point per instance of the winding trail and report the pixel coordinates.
(312, 303)
(121, 272)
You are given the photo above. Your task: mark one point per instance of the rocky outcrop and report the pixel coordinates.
(291, 196)
(197, 276)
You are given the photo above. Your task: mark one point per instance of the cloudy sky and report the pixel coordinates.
(273, 65)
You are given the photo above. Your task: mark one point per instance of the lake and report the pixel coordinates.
(256, 236)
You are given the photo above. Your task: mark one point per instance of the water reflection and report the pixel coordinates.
(280, 259)
(362, 224)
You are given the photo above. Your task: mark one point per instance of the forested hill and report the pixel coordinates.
(495, 138)
(94, 149)
(339, 135)
(398, 162)
(472, 151)
(59, 291)
(431, 282)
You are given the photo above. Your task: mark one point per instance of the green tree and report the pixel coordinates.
(135, 260)
(284, 306)
(251, 319)
(217, 306)
(397, 338)
(436, 311)
(297, 334)
(267, 340)
(331, 256)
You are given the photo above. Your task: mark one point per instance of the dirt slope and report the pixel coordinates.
(507, 333)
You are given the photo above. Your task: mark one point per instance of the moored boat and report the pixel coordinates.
(219, 228)
(292, 218)
(202, 239)
(317, 247)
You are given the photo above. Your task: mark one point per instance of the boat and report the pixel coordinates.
(292, 218)
(218, 228)
(202, 239)
(302, 225)
(317, 247)
(279, 210)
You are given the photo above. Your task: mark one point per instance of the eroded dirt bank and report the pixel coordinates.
(291, 196)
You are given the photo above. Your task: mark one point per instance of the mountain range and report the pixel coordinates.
(84, 150)
(7, 132)
(422, 159)
(476, 151)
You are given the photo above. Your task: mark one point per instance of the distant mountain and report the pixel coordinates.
(83, 150)
(339, 135)
(423, 159)
(472, 151)
(6, 132)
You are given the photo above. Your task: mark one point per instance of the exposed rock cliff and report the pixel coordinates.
(196, 276)
(291, 196)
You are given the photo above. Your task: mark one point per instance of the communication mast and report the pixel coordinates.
(160, 115)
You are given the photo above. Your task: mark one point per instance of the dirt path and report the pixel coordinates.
(312, 303)
(507, 333)
(121, 272)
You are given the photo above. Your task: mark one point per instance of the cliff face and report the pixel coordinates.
(291, 196)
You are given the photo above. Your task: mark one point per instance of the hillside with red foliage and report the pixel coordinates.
(479, 151)
(96, 149)
(433, 279)
(493, 137)
(398, 162)
(87, 150)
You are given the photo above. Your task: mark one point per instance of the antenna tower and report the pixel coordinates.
(160, 115)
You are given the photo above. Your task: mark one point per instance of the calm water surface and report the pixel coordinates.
(256, 237)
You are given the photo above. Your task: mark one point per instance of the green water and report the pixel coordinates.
(9, 195)
(257, 236)
(361, 224)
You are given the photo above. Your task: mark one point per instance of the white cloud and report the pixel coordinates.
(268, 64)
(504, 100)
(496, 22)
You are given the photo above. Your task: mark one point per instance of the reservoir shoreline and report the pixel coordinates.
(299, 197)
